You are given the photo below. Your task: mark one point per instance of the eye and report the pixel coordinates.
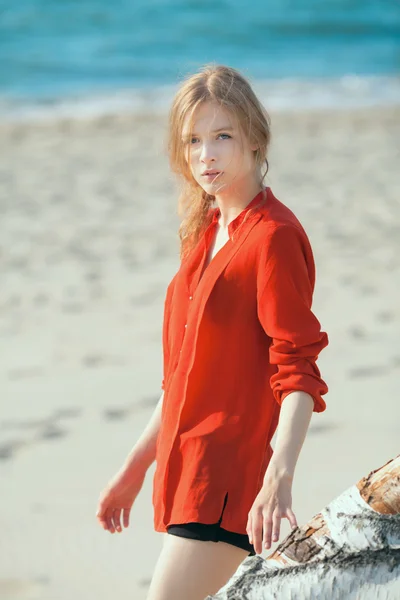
(227, 136)
(193, 140)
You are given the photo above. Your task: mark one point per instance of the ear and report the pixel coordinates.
(254, 147)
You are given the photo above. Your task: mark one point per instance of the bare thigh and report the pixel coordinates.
(191, 569)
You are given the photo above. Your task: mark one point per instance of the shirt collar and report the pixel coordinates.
(233, 225)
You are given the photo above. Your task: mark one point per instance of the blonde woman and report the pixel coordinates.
(240, 345)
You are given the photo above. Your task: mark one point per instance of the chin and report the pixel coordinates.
(219, 189)
(210, 189)
(213, 188)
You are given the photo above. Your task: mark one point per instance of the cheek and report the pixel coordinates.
(234, 155)
(188, 153)
(193, 161)
(246, 160)
(191, 165)
(189, 160)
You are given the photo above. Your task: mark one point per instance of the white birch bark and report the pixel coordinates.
(350, 550)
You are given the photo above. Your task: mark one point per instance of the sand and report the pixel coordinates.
(88, 245)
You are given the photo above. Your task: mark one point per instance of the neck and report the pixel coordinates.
(232, 203)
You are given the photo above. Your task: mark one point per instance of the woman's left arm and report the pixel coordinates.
(285, 284)
(274, 501)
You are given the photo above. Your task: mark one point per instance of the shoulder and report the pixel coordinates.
(280, 229)
(275, 214)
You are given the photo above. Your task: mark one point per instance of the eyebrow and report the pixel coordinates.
(193, 133)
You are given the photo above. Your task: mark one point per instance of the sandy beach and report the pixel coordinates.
(88, 245)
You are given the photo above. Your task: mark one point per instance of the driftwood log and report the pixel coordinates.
(350, 550)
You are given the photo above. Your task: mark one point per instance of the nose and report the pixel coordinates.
(207, 154)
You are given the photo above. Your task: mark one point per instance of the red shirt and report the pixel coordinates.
(237, 338)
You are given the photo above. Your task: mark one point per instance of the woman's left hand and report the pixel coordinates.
(273, 503)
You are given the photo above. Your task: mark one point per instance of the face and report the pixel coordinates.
(216, 144)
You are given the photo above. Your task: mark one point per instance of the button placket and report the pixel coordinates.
(180, 351)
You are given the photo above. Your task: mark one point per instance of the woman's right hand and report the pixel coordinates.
(118, 497)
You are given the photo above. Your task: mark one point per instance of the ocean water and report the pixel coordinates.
(100, 55)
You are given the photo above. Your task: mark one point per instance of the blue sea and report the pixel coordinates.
(98, 55)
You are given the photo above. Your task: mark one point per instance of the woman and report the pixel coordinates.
(240, 347)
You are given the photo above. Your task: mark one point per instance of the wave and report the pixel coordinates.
(347, 92)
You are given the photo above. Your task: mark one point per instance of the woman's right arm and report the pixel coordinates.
(143, 453)
(120, 493)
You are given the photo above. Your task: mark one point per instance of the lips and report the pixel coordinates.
(210, 173)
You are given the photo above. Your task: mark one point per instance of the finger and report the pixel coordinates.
(257, 530)
(100, 510)
(102, 521)
(117, 519)
(249, 529)
(102, 506)
(109, 521)
(100, 516)
(292, 519)
(267, 530)
(276, 525)
(127, 512)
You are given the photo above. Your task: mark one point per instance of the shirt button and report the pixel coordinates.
(185, 325)
(190, 297)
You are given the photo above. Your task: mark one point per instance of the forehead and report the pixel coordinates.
(207, 116)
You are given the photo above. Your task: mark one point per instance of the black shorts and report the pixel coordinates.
(212, 533)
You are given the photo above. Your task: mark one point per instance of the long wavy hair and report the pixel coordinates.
(228, 88)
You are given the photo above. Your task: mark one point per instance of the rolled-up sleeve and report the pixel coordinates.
(285, 284)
